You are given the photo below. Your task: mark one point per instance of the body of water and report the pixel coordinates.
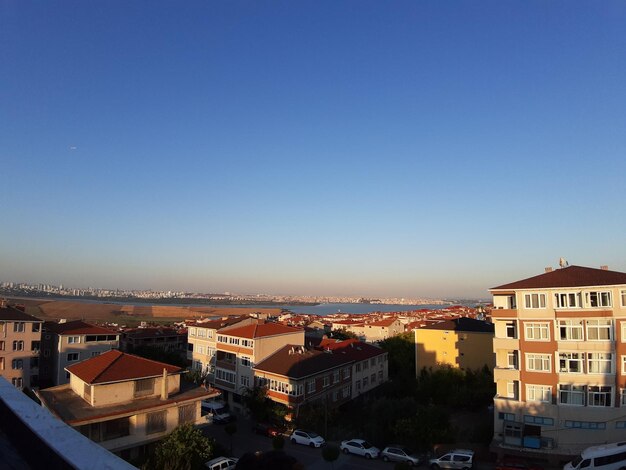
(326, 309)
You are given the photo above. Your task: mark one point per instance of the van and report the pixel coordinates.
(216, 411)
(222, 463)
(603, 457)
(461, 459)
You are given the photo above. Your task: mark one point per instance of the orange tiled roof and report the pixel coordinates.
(572, 276)
(77, 327)
(116, 366)
(261, 330)
(387, 322)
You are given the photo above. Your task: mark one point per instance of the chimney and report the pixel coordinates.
(604, 268)
(548, 269)
(164, 394)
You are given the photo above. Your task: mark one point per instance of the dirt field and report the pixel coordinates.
(49, 309)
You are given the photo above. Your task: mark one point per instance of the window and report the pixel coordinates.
(585, 425)
(567, 300)
(365, 382)
(115, 428)
(599, 363)
(17, 364)
(19, 327)
(572, 394)
(599, 330)
(1, 345)
(539, 420)
(187, 413)
(537, 331)
(245, 381)
(71, 357)
(622, 294)
(511, 330)
(570, 330)
(95, 353)
(365, 366)
(336, 376)
(73, 339)
(511, 358)
(358, 367)
(1, 363)
(380, 375)
(373, 361)
(346, 372)
(36, 327)
(18, 345)
(225, 375)
(535, 300)
(541, 393)
(538, 362)
(373, 378)
(336, 395)
(247, 343)
(200, 333)
(156, 422)
(599, 299)
(622, 396)
(209, 334)
(246, 362)
(311, 386)
(571, 363)
(358, 385)
(17, 382)
(35, 345)
(506, 416)
(326, 381)
(511, 389)
(346, 391)
(144, 387)
(599, 395)
(192, 332)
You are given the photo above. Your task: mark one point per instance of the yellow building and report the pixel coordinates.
(464, 343)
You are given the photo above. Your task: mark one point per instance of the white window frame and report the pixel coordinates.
(572, 391)
(72, 354)
(596, 325)
(73, 340)
(622, 394)
(574, 330)
(192, 332)
(602, 299)
(246, 361)
(245, 381)
(537, 331)
(603, 396)
(573, 357)
(545, 392)
(311, 386)
(622, 294)
(623, 364)
(512, 359)
(511, 389)
(535, 300)
(567, 300)
(603, 358)
(534, 359)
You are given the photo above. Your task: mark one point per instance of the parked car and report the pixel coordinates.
(216, 411)
(396, 453)
(517, 464)
(307, 438)
(360, 447)
(221, 463)
(458, 459)
(267, 429)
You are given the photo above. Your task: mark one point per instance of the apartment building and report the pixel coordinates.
(20, 343)
(370, 364)
(378, 330)
(67, 342)
(560, 345)
(202, 342)
(125, 402)
(462, 343)
(295, 375)
(240, 348)
(165, 338)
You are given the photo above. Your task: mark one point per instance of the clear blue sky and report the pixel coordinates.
(418, 148)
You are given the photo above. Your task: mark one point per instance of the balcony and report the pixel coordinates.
(505, 343)
(505, 373)
(504, 313)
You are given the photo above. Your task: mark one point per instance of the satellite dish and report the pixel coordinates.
(563, 262)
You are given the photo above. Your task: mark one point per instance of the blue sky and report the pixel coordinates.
(420, 148)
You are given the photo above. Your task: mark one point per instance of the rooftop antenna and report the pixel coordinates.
(563, 262)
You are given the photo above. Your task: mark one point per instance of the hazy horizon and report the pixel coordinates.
(353, 148)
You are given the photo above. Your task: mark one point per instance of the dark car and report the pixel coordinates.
(266, 429)
(517, 464)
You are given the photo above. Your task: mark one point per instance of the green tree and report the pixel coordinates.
(401, 355)
(184, 448)
(330, 453)
(343, 334)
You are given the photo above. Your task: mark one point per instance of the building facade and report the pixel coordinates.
(462, 343)
(20, 345)
(66, 343)
(560, 345)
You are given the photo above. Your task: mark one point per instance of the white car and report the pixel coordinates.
(359, 447)
(221, 463)
(462, 459)
(307, 438)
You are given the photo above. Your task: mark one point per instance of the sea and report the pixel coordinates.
(327, 309)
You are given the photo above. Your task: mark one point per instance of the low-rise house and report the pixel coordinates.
(69, 342)
(20, 343)
(462, 343)
(378, 330)
(125, 402)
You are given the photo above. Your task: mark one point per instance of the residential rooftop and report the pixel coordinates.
(462, 324)
(261, 330)
(76, 327)
(298, 362)
(571, 276)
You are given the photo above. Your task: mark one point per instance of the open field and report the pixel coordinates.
(49, 309)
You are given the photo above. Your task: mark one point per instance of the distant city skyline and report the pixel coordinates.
(353, 148)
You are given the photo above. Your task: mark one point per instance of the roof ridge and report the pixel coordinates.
(109, 365)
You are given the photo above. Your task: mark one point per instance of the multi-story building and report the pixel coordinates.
(168, 339)
(125, 402)
(202, 342)
(378, 330)
(20, 343)
(239, 348)
(68, 342)
(560, 345)
(462, 342)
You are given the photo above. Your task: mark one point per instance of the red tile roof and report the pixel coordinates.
(353, 348)
(261, 330)
(116, 366)
(77, 327)
(10, 313)
(572, 276)
(386, 323)
(296, 362)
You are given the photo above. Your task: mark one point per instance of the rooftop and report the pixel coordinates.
(297, 362)
(116, 366)
(462, 324)
(572, 276)
(352, 348)
(261, 330)
(10, 313)
(76, 327)
(71, 408)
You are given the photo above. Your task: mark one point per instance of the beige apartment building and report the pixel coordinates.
(240, 348)
(125, 402)
(378, 330)
(20, 343)
(560, 345)
(69, 342)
